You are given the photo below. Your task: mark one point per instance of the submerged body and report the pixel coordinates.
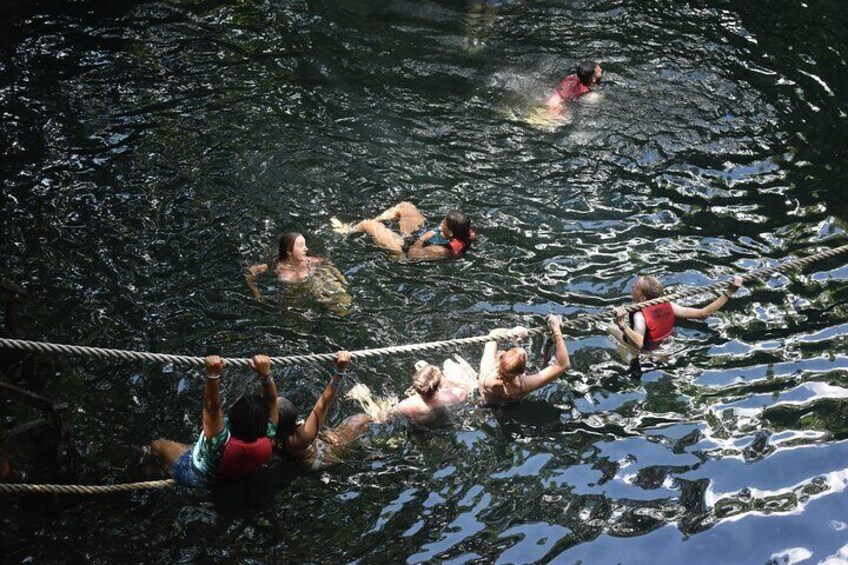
(315, 275)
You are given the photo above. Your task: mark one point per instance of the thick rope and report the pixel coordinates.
(579, 322)
(17, 488)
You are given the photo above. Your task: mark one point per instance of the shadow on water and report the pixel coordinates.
(152, 150)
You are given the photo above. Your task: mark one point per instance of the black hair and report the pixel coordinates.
(459, 225)
(585, 71)
(287, 422)
(248, 417)
(286, 245)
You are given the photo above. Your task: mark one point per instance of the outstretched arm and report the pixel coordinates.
(261, 364)
(688, 313)
(213, 413)
(562, 363)
(336, 272)
(306, 434)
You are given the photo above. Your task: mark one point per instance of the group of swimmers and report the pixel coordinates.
(256, 426)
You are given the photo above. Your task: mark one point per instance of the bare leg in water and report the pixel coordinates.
(168, 451)
(332, 444)
(406, 214)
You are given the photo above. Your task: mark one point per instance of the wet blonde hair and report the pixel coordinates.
(512, 363)
(426, 381)
(649, 286)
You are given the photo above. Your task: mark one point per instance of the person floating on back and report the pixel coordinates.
(584, 76)
(647, 329)
(449, 241)
(229, 447)
(503, 379)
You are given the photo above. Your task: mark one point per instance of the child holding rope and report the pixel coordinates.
(647, 329)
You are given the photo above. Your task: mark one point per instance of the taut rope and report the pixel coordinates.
(579, 322)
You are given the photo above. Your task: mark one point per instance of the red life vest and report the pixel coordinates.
(457, 246)
(242, 459)
(659, 323)
(571, 88)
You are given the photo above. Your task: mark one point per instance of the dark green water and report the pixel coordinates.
(150, 151)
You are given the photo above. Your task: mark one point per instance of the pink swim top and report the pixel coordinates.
(571, 88)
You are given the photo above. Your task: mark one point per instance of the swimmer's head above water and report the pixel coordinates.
(287, 417)
(457, 225)
(589, 73)
(645, 288)
(248, 417)
(426, 380)
(292, 248)
(512, 364)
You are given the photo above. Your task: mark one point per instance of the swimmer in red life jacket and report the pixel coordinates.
(586, 75)
(230, 447)
(648, 328)
(450, 241)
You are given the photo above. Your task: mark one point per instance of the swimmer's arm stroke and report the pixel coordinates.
(335, 270)
(250, 278)
(561, 365)
(304, 435)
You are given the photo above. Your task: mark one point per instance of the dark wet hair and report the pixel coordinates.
(248, 417)
(287, 422)
(459, 225)
(286, 245)
(585, 71)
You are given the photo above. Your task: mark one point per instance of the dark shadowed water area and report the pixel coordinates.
(151, 151)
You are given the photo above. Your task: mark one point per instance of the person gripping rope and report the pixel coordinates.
(230, 447)
(646, 330)
(305, 441)
(503, 379)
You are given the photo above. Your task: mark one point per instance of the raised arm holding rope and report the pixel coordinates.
(301, 440)
(502, 378)
(229, 447)
(647, 329)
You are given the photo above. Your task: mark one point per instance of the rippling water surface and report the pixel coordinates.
(152, 150)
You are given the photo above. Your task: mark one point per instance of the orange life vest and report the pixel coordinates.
(659, 324)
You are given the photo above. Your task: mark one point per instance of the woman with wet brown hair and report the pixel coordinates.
(503, 378)
(449, 241)
(294, 266)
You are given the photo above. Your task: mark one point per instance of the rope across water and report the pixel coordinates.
(13, 488)
(579, 322)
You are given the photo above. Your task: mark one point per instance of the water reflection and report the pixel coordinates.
(151, 150)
